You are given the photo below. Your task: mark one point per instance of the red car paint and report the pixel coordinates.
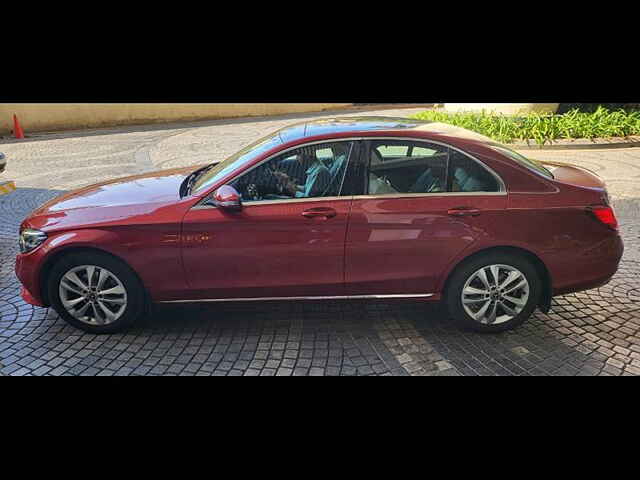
(349, 246)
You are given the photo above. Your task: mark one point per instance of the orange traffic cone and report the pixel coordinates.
(17, 129)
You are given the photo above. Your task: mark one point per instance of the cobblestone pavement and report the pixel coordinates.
(589, 333)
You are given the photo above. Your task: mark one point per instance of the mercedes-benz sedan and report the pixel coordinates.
(346, 208)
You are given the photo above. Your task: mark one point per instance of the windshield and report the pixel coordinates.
(235, 161)
(527, 162)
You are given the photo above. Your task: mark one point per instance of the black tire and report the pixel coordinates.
(453, 294)
(137, 305)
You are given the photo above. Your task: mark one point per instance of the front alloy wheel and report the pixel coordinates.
(96, 292)
(93, 295)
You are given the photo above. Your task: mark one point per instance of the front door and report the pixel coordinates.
(424, 204)
(287, 241)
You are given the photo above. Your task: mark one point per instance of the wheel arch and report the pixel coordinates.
(541, 268)
(59, 254)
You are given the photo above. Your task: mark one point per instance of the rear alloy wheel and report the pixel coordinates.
(493, 293)
(96, 292)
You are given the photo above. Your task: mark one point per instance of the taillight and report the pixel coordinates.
(606, 215)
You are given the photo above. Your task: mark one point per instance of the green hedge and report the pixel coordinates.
(544, 128)
(592, 107)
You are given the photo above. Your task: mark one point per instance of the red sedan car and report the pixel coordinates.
(331, 209)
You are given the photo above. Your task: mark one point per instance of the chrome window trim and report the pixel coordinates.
(388, 196)
(296, 200)
(430, 195)
(280, 200)
(201, 205)
(333, 297)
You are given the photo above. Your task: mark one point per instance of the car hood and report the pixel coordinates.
(111, 201)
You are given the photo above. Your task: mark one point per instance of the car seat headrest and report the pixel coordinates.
(375, 157)
(461, 176)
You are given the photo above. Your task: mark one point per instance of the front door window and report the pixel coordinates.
(311, 171)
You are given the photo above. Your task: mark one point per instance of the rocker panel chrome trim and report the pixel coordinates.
(265, 299)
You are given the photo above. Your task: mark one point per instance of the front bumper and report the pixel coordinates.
(28, 266)
(28, 297)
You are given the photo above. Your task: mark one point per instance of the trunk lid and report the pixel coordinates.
(574, 175)
(580, 179)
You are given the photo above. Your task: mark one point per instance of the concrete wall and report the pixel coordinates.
(35, 117)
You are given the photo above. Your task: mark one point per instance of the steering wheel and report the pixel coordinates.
(253, 192)
(279, 180)
(256, 192)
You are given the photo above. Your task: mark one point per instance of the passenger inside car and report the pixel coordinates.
(317, 178)
(469, 177)
(302, 173)
(408, 168)
(337, 167)
(407, 174)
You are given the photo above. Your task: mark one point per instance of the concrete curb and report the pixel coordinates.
(581, 144)
(7, 187)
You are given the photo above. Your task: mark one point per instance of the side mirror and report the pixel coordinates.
(227, 198)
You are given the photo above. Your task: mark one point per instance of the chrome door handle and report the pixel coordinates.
(464, 212)
(319, 213)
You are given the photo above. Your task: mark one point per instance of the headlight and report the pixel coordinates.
(31, 239)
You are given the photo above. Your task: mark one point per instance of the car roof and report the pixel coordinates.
(376, 126)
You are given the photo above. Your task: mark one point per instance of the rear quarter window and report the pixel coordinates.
(524, 161)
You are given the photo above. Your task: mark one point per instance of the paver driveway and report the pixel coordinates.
(589, 333)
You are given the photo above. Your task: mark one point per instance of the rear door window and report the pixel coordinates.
(414, 167)
(469, 176)
(398, 166)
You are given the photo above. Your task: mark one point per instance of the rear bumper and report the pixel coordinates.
(590, 269)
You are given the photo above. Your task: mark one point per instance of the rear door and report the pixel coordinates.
(421, 205)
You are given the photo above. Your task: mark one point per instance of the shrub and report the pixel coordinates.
(591, 107)
(544, 128)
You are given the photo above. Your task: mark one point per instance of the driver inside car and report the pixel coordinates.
(318, 177)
